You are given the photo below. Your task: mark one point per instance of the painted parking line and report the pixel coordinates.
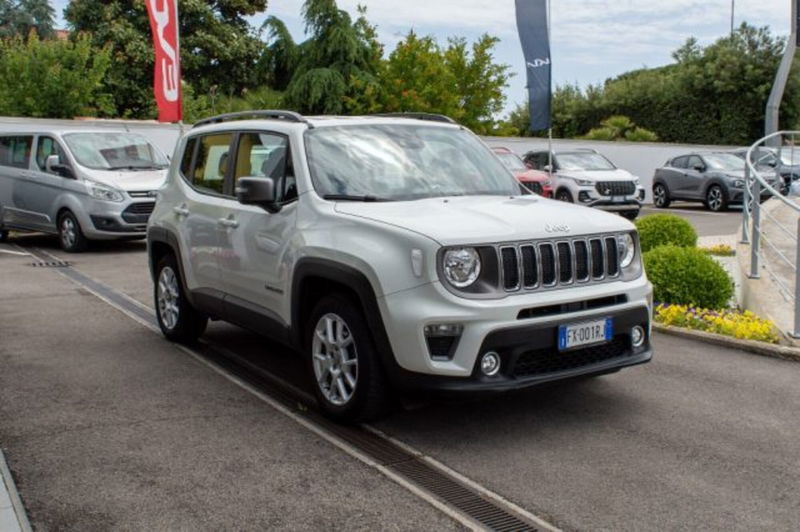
(461, 498)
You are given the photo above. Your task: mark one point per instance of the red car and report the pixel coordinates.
(537, 182)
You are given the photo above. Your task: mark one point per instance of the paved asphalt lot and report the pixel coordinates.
(106, 425)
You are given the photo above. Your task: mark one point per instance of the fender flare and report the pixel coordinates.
(164, 236)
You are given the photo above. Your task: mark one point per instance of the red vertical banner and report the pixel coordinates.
(167, 79)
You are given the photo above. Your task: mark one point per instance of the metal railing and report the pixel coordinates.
(753, 215)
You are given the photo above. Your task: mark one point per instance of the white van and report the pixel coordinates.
(78, 183)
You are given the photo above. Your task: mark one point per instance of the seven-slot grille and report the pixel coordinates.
(533, 265)
(615, 188)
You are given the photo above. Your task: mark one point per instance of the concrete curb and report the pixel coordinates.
(16, 502)
(759, 348)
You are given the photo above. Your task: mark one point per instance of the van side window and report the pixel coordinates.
(188, 157)
(266, 155)
(46, 147)
(16, 151)
(211, 163)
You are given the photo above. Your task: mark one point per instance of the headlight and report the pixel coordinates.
(738, 183)
(584, 182)
(637, 181)
(627, 250)
(461, 266)
(103, 192)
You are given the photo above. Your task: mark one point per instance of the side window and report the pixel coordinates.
(188, 157)
(694, 160)
(16, 151)
(45, 147)
(539, 160)
(266, 155)
(679, 162)
(211, 163)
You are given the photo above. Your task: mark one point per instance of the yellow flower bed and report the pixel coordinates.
(720, 250)
(742, 325)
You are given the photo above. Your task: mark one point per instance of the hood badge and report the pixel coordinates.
(557, 228)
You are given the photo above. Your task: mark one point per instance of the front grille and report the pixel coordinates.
(141, 193)
(535, 187)
(549, 360)
(533, 265)
(141, 208)
(615, 188)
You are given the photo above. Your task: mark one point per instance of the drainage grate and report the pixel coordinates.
(51, 264)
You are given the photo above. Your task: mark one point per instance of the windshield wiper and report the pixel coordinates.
(368, 198)
(132, 167)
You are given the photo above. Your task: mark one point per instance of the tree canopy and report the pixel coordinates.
(22, 16)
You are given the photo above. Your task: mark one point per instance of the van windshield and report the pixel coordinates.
(403, 162)
(115, 151)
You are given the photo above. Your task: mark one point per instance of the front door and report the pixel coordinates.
(43, 187)
(695, 178)
(254, 262)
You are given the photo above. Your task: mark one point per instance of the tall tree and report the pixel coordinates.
(23, 16)
(219, 50)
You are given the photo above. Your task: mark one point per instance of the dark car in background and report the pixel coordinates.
(714, 178)
(536, 181)
(769, 165)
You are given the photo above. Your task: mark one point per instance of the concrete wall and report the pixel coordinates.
(641, 159)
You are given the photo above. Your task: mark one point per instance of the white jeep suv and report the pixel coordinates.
(584, 176)
(395, 253)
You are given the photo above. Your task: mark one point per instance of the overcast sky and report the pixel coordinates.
(592, 40)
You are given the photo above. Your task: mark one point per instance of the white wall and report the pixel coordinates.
(640, 158)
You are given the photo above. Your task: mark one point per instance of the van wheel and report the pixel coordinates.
(348, 379)
(70, 234)
(178, 319)
(564, 195)
(661, 196)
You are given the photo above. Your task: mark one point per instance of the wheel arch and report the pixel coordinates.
(161, 242)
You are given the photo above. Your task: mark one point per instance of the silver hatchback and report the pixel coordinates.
(80, 184)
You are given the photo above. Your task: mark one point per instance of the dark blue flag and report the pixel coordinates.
(535, 37)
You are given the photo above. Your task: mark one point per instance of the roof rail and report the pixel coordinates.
(433, 117)
(289, 116)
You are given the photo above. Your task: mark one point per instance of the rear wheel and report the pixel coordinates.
(70, 234)
(348, 379)
(716, 199)
(661, 196)
(564, 195)
(178, 319)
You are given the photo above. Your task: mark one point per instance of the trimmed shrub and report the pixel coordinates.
(687, 276)
(665, 230)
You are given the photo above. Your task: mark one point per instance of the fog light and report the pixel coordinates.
(490, 364)
(637, 336)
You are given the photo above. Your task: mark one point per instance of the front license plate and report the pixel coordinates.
(586, 333)
(618, 199)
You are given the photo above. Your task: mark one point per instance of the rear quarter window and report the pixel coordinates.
(15, 151)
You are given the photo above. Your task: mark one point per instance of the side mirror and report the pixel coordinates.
(53, 165)
(546, 168)
(257, 191)
(700, 167)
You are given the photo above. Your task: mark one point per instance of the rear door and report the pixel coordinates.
(15, 162)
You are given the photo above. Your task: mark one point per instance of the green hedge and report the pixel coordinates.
(687, 276)
(664, 230)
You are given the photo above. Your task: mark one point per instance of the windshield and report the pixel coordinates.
(583, 161)
(790, 156)
(403, 162)
(724, 161)
(115, 151)
(512, 161)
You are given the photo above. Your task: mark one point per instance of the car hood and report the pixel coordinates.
(488, 219)
(598, 175)
(528, 176)
(129, 180)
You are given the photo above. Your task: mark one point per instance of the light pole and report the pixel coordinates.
(733, 10)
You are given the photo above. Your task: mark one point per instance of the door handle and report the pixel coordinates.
(228, 222)
(181, 211)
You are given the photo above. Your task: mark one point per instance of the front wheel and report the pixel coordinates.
(715, 199)
(630, 215)
(70, 234)
(348, 379)
(178, 319)
(661, 196)
(564, 195)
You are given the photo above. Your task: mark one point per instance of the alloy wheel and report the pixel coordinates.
(335, 359)
(168, 295)
(69, 233)
(714, 199)
(659, 196)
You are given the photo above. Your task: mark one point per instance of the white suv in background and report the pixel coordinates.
(586, 177)
(394, 253)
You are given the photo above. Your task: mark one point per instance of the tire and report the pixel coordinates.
(716, 199)
(348, 379)
(3, 235)
(630, 215)
(564, 195)
(178, 319)
(70, 234)
(661, 197)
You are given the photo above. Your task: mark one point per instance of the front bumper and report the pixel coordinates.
(521, 328)
(589, 197)
(112, 221)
